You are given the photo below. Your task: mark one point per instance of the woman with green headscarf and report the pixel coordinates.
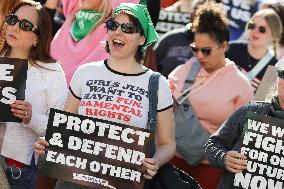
(130, 31)
(79, 39)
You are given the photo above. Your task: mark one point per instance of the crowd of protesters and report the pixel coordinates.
(69, 42)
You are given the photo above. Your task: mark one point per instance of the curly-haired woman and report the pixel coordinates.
(219, 87)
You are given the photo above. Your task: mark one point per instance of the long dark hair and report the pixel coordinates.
(40, 52)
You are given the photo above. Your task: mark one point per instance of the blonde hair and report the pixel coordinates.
(274, 23)
(106, 9)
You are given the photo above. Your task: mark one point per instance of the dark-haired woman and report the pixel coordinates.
(28, 37)
(219, 88)
(130, 31)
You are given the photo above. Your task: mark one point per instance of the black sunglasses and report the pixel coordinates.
(281, 74)
(24, 24)
(206, 51)
(252, 26)
(125, 27)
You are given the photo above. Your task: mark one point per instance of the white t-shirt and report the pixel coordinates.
(110, 95)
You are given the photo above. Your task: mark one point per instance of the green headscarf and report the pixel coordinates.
(142, 14)
(84, 23)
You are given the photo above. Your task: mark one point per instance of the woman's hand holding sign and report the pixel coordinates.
(235, 162)
(23, 110)
(40, 146)
(152, 167)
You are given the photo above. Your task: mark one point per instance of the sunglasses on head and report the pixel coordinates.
(125, 27)
(281, 74)
(206, 51)
(252, 26)
(24, 24)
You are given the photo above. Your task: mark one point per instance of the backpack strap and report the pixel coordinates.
(153, 102)
(192, 75)
(259, 65)
(188, 83)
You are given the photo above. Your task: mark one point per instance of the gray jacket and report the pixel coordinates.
(228, 138)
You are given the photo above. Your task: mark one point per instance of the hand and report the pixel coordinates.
(23, 110)
(40, 146)
(255, 83)
(152, 167)
(235, 162)
(172, 83)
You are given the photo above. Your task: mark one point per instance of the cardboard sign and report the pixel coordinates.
(263, 146)
(13, 76)
(268, 81)
(169, 20)
(93, 152)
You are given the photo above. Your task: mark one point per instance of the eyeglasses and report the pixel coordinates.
(281, 74)
(125, 27)
(24, 24)
(252, 26)
(206, 51)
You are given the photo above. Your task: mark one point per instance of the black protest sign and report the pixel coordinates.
(169, 20)
(13, 76)
(94, 152)
(263, 146)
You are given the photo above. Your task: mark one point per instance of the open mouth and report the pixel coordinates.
(118, 43)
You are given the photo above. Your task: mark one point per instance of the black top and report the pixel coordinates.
(154, 10)
(238, 52)
(56, 20)
(173, 50)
